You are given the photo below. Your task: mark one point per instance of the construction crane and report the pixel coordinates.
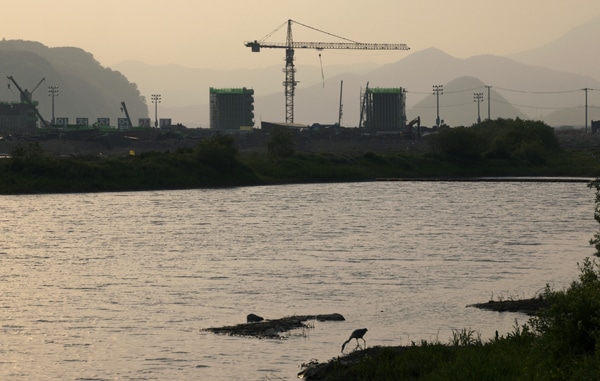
(363, 106)
(26, 98)
(124, 109)
(290, 45)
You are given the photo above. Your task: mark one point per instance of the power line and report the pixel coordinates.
(537, 92)
(510, 104)
(506, 89)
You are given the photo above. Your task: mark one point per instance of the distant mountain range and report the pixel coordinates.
(543, 84)
(575, 52)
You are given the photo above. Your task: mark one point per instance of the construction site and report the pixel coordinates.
(231, 111)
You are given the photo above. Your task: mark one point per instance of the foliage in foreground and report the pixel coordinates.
(560, 343)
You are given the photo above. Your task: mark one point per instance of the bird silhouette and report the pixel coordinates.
(357, 334)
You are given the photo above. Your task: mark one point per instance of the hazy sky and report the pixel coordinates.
(206, 34)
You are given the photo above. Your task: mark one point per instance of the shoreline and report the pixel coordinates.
(528, 179)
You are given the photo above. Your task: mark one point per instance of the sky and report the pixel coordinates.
(201, 34)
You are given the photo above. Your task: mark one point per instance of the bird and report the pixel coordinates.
(252, 318)
(357, 334)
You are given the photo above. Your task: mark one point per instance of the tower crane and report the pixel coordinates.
(290, 45)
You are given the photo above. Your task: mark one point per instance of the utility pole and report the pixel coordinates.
(489, 102)
(586, 107)
(53, 92)
(478, 97)
(341, 105)
(156, 100)
(437, 89)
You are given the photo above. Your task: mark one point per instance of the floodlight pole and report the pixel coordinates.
(156, 101)
(436, 90)
(53, 92)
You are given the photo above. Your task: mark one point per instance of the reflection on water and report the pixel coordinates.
(119, 286)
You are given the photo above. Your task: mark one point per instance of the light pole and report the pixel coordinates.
(156, 101)
(437, 89)
(586, 107)
(478, 97)
(53, 92)
(489, 103)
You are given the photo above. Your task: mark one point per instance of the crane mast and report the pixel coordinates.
(290, 76)
(289, 46)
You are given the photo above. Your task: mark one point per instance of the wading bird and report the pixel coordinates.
(357, 334)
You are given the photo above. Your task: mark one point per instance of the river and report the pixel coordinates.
(120, 286)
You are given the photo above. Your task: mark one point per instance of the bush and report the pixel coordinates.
(218, 152)
(461, 142)
(571, 323)
(281, 143)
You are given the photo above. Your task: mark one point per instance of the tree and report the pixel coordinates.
(281, 142)
(596, 239)
(218, 152)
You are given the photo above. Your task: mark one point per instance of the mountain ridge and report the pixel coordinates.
(85, 88)
(318, 101)
(537, 83)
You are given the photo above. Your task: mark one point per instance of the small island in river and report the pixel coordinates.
(272, 329)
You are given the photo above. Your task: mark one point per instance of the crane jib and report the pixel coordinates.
(256, 46)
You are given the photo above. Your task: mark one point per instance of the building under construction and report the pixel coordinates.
(18, 116)
(231, 109)
(383, 109)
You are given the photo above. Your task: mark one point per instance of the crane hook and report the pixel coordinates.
(322, 74)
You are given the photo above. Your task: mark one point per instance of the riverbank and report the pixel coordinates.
(494, 151)
(559, 342)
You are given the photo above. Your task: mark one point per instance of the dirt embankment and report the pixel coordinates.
(250, 142)
(257, 142)
(526, 306)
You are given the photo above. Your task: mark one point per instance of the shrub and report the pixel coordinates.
(571, 323)
(218, 152)
(281, 143)
(461, 142)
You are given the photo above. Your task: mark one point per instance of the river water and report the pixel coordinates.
(120, 286)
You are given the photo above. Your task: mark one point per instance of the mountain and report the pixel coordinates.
(85, 88)
(574, 52)
(543, 84)
(536, 92)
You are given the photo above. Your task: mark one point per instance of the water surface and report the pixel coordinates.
(119, 286)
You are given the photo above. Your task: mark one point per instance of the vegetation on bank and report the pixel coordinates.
(560, 342)
(492, 148)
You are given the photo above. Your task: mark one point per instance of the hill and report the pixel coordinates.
(86, 89)
(535, 91)
(574, 52)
